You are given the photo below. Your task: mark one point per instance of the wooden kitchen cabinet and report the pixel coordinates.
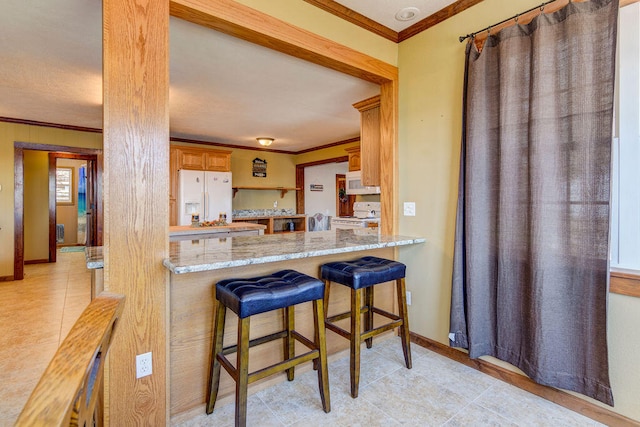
(370, 140)
(354, 158)
(219, 161)
(173, 185)
(203, 159)
(277, 224)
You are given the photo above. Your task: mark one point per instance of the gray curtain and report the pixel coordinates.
(530, 277)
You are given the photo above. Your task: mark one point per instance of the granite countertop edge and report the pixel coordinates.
(94, 256)
(195, 268)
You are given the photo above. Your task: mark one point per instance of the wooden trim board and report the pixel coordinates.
(625, 283)
(441, 15)
(356, 18)
(562, 398)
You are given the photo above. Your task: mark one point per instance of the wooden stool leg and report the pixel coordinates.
(242, 366)
(218, 334)
(321, 343)
(327, 288)
(356, 305)
(368, 318)
(325, 304)
(404, 314)
(289, 343)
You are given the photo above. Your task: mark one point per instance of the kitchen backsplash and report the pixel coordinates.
(262, 212)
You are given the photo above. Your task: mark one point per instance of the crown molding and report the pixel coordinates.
(355, 18)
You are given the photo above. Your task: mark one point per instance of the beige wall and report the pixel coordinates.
(10, 133)
(36, 205)
(280, 173)
(431, 78)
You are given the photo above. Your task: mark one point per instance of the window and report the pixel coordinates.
(625, 210)
(64, 186)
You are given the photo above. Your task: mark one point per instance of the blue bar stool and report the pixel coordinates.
(246, 297)
(359, 274)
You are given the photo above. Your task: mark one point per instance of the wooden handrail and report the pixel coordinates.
(68, 390)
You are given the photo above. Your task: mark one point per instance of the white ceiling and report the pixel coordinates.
(222, 89)
(384, 11)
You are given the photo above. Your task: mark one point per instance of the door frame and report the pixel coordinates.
(18, 191)
(53, 208)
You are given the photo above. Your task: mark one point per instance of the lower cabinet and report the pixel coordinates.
(278, 224)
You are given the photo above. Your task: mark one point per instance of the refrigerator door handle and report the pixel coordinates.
(206, 205)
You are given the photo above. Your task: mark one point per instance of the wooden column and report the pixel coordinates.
(136, 217)
(389, 156)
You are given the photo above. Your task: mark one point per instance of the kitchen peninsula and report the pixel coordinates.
(196, 265)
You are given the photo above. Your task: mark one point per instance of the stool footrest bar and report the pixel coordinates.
(256, 341)
(386, 314)
(379, 330)
(338, 330)
(282, 366)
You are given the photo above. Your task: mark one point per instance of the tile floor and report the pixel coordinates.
(37, 313)
(436, 392)
(35, 316)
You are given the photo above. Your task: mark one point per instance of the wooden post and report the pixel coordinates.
(136, 217)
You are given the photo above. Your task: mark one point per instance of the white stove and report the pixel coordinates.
(365, 214)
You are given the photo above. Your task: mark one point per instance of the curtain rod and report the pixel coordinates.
(540, 6)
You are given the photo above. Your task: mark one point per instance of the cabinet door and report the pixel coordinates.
(354, 162)
(218, 161)
(173, 184)
(354, 158)
(370, 140)
(191, 159)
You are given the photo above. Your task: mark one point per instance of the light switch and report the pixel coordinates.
(409, 209)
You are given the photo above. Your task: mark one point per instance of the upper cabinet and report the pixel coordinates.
(204, 159)
(354, 158)
(369, 140)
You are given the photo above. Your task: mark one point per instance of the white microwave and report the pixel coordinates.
(354, 185)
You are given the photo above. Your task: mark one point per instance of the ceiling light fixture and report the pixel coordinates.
(407, 13)
(265, 142)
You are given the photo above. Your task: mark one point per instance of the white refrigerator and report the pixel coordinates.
(205, 193)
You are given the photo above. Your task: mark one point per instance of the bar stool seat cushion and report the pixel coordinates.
(363, 272)
(285, 288)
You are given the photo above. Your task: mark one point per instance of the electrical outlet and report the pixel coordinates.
(408, 297)
(275, 204)
(409, 209)
(143, 365)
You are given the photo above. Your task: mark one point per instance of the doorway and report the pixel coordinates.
(344, 201)
(300, 179)
(70, 195)
(92, 158)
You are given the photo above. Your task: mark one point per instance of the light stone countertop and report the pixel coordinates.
(94, 257)
(190, 256)
(180, 230)
(213, 254)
